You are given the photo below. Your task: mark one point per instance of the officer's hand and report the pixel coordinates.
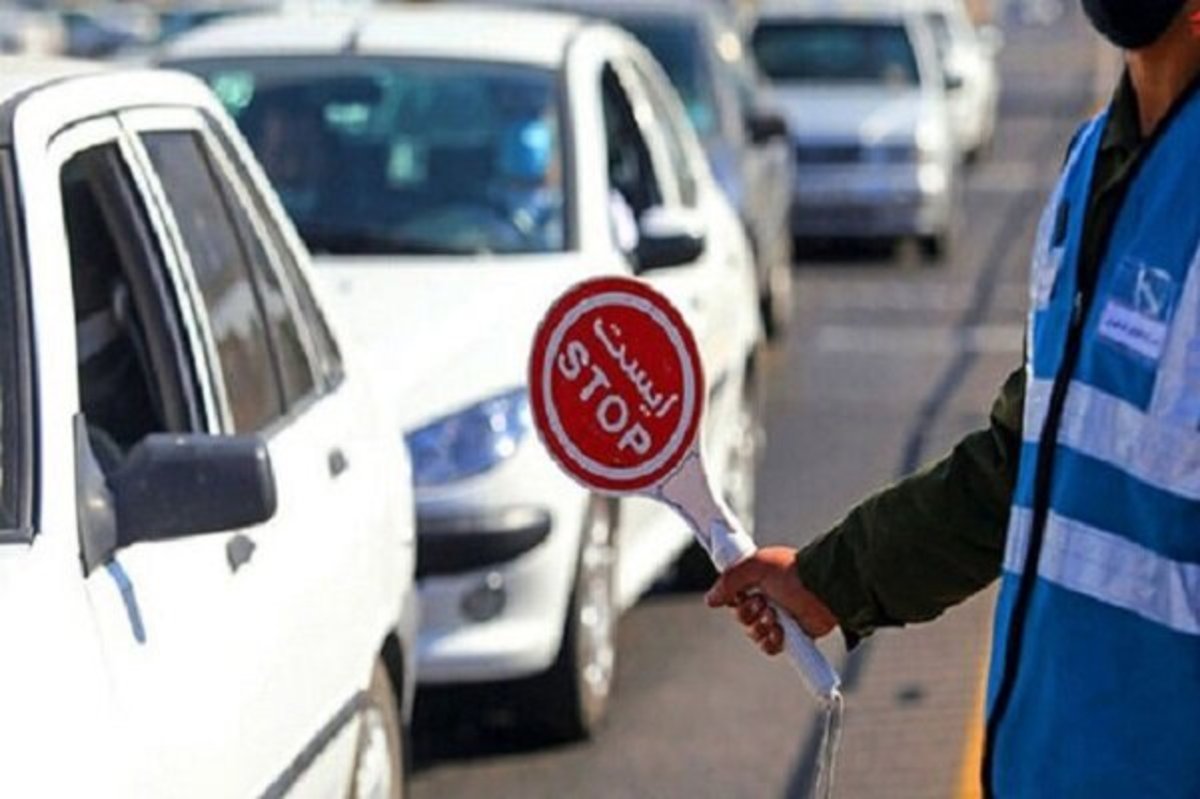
(772, 572)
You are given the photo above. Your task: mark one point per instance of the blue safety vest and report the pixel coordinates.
(1095, 678)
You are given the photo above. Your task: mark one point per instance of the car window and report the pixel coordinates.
(329, 357)
(296, 370)
(405, 156)
(328, 353)
(10, 450)
(677, 43)
(630, 167)
(836, 51)
(674, 137)
(134, 374)
(261, 238)
(223, 274)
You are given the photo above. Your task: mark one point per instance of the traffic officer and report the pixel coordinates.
(1087, 503)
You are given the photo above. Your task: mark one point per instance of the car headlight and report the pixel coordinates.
(471, 441)
(930, 142)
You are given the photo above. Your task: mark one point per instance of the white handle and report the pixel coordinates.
(689, 492)
(819, 676)
(730, 546)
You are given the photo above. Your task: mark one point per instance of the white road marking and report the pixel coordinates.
(900, 295)
(905, 340)
(1007, 176)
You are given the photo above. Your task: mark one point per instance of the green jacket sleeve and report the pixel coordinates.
(929, 542)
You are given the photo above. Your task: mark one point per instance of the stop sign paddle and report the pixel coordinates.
(617, 391)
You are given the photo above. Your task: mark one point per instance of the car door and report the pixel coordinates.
(305, 585)
(362, 551)
(163, 612)
(719, 286)
(643, 173)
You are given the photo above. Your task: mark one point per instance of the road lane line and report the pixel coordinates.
(908, 340)
(970, 783)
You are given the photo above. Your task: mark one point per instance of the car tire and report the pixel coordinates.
(572, 699)
(741, 490)
(694, 571)
(933, 248)
(776, 304)
(381, 756)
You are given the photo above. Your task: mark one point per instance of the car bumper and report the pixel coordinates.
(871, 201)
(971, 120)
(496, 560)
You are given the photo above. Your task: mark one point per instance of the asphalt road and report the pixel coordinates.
(888, 363)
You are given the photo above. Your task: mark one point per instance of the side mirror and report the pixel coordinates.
(174, 486)
(762, 127)
(170, 486)
(668, 237)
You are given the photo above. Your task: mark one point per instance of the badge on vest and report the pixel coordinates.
(1137, 316)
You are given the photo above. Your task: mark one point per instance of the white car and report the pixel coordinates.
(207, 547)
(452, 182)
(968, 56)
(865, 97)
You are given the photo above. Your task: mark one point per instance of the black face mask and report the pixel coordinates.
(1132, 24)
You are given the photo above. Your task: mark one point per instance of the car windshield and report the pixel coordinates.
(678, 46)
(399, 156)
(837, 51)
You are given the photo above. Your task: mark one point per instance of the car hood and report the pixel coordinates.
(867, 114)
(444, 334)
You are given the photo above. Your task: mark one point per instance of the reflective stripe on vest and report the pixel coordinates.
(1110, 569)
(1109, 429)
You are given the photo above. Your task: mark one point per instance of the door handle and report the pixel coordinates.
(337, 462)
(238, 551)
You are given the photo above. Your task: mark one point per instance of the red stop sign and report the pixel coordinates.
(616, 385)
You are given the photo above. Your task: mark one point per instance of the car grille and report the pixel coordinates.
(853, 153)
(828, 153)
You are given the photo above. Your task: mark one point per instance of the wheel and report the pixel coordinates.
(741, 484)
(936, 247)
(380, 763)
(572, 698)
(693, 571)
(776, 302)
(933, 248)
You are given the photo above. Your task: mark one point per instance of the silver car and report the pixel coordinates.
(865, 99)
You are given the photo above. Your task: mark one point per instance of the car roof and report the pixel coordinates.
(690, 9)
(834, 9)
(67, 91)
(947, 5)
(22, 74)
(517, 35)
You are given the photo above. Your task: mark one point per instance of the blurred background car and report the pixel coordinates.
(866, 100)
(968, 58)
(699, 45)
(452, 183)
(180, 18)
(24, 31)
(101, 30)
(207, 547)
